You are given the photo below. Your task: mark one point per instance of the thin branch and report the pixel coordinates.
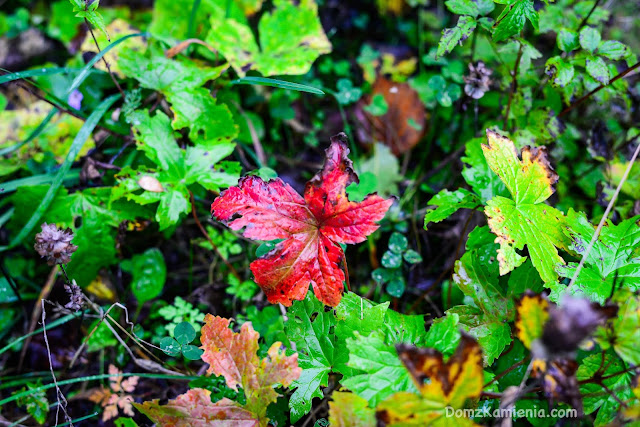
(213, 245)
(514, 86)
(604, 217)
(586, 18)
(64, 110)
(62, 401)
(104, 59)
(594, 91)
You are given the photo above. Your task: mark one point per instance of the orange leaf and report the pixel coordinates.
(234, 356)
(194, 409)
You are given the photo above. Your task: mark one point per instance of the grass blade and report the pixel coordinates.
(11, 186)
(34, 73)
(263, 81)
(76, 146)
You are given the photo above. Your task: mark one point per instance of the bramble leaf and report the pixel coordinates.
(513, 17)
(524, 219)
(234, 356)
(312, 227)
(451, 37)
(440, 385)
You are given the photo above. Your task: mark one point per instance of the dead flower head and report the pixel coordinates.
(477, 82)
(54, 244)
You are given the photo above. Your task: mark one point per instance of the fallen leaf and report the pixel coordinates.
(150, 183)
(194, 409)
(405, 121)
(312, 227)
(234, 356)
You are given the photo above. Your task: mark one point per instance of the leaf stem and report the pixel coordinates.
(604, 217)
(514, 87)
(213, 245)
(104, 59)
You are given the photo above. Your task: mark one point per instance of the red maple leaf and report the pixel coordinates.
(311, 226)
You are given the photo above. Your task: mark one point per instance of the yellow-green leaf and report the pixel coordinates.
(533, 312)
(524, 219)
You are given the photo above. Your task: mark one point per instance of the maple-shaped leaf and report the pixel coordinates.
(312, 227)
(525, 219)
(441, 385)
(195, 409)
(235, 357)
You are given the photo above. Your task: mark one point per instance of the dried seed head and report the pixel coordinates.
(54, 244)
(75, 296)
(478, 81)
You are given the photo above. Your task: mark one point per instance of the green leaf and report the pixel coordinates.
(470, 7)
(412, 257)
(617, 380)
(513, 18)
(451, 37)
(448, 202)
(358, 191)
(385, 168)
(597, 68)
(184, 333)
(589, 39)
(88, 68)
(291, 38)
(476, 274)
(396, 287)
(398, 243)
(192, 352)
(170, 346)
(346, 93)
(312, 329)
(170, 76)
(493, 335)
(524, 219)
(355, 314)
(208, 122)
(149, 274)
(623, 331)
(154, 137)
(383, 372)
(477, 173)
(378, 105)
(567, 40)
(610, 261)
(613, 50)
(444, 334)
(35, 402)
(391, 259)
(560, 71)
(282, 84)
